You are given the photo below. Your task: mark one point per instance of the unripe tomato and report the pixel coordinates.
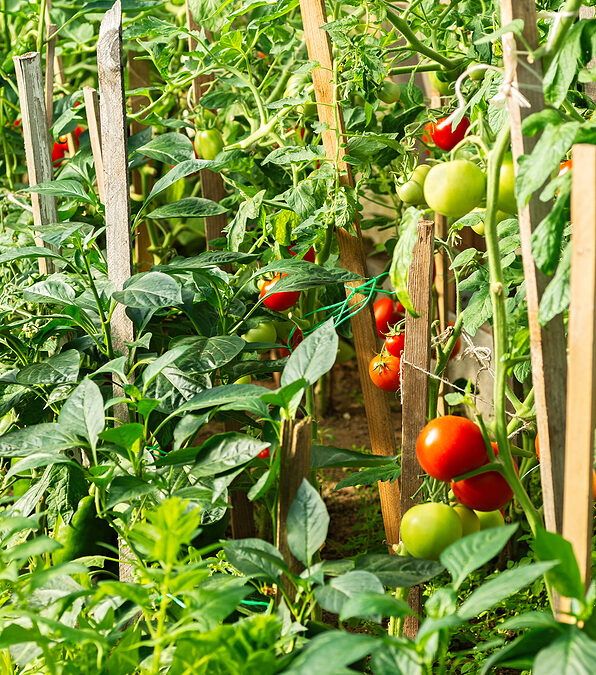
(506, 199)
(479, 226)
(309, 255)
(450, 446)
(420, 173)
(446, 137)
(278, 302)
(469, 520)
(454, 188)
(387, 314)
(428, 529)
(263, 332)
(486, 492)
(439, 82)
(389, 92)
(411, 192)
(394, 344)
(490, 519)
(384, 371)
(208, 143)
(290, 343)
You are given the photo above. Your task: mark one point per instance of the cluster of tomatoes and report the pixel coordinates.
(446, 448)
(384, 368)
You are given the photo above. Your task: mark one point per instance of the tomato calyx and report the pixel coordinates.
(385, 371)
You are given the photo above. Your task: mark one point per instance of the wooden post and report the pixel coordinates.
(37, 143)
(49, 92)
(414, 386)
(581, 381)
(212, 185)
(547, 345)
(295, 466)
(139, 74)
(376, 402)
(94, 126)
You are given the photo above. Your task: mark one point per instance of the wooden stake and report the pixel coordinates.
(547, 345)
(37, 143)
(353, 258)
(589, 87)
(94, 126)
(414, 386)
(295, 466)
(581, 381)
(50, 52)
(212, 185)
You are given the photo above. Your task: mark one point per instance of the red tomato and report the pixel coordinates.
(294, 341)
(394, 344)
(278, 301)
(384, 372)
(264, 454)
(61, 146)
(565, 167)
(309, 255)
(450, 446)
(486, 492)
(387, 314)
(444, 136)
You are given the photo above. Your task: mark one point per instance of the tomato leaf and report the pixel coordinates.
(307, 523)
(255, 558)
(399, 571)
(333, 595)
(373, 606)
(556, 296)
(565, 577)
(402, 257)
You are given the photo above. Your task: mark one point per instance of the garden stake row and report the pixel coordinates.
(37, 144)
(414, 386)
(117, 197)
(547, 346)
(376, 402)
(578, 519)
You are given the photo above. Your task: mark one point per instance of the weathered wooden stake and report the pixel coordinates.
(547, 345)
(578, 520)
(94, 126)
(414, 386)
(376, 402)
(50, 52)
(37, 143)
(295, 466)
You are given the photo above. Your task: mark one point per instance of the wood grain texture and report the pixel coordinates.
(376, 402)
(212, 185)
(94, 126)
(38, 149)
(441, 264)
(294, 467)
(547, 345)
(115, 163)
(49, 83)
(414, 386)
(581, 379)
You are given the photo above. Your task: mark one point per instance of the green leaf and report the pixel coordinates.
(255, 558)
(402, 257)
(502, 586)
(516, 27)
(293, 155)
(398, 571)
(303, 275)
(70, 189)
(367, 605)
(156, 366)
(388, 472)
(83, 412)
(35, 460)
(478, 311)
(223, 395)
(54, 289)
(221, 453)
(248, 210)
(49, 437)
(556, 295)
(469, 553)
(520, 653)
(307, 523)
(29, 549)
(169, 148)
(189, 207)
(28, 252)
(323, 457)
(124, 435)
(396, 659)
(547, 237)
(59, 368)
(208, 354)
(150, 291)
(127, 488)
(185, 168)
(333, 595)
(564, 577)
(566, 62)
(331, 652)
(571, 654)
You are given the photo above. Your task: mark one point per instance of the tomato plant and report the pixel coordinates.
(384, 371)
(506, 199)
(427, 529)
(394, 344)
(291, 341)
(444, 135)
(278, 301)
(263, 332)
(387, 314)
(450, 446)
(208, 143)
(454, 188)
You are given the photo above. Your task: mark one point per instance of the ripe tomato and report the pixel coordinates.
(394, 344)
(291, 343)
(389, 92)
(446, 137)
(387, 314)
(450, 446)
(486, 492)
(384, 372)
(454, 188)
(309, 255)
(263, 332)
(469, 520)
(278, 302)
(428, 529)
(506, 199)
(264, 454)
(490, 519)
(208, 143)
(60, 147)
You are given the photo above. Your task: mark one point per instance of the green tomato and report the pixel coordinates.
(506, 199)
(411, 193)
(479, 226)
(420, 173)
(428, 529)
(454, 188)
(263, 332)
(469, 520)
(389, 92)
(440, 83)
(490, 519)
(208, 143)
(345, 351)
(298, 84)
(476, 75)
